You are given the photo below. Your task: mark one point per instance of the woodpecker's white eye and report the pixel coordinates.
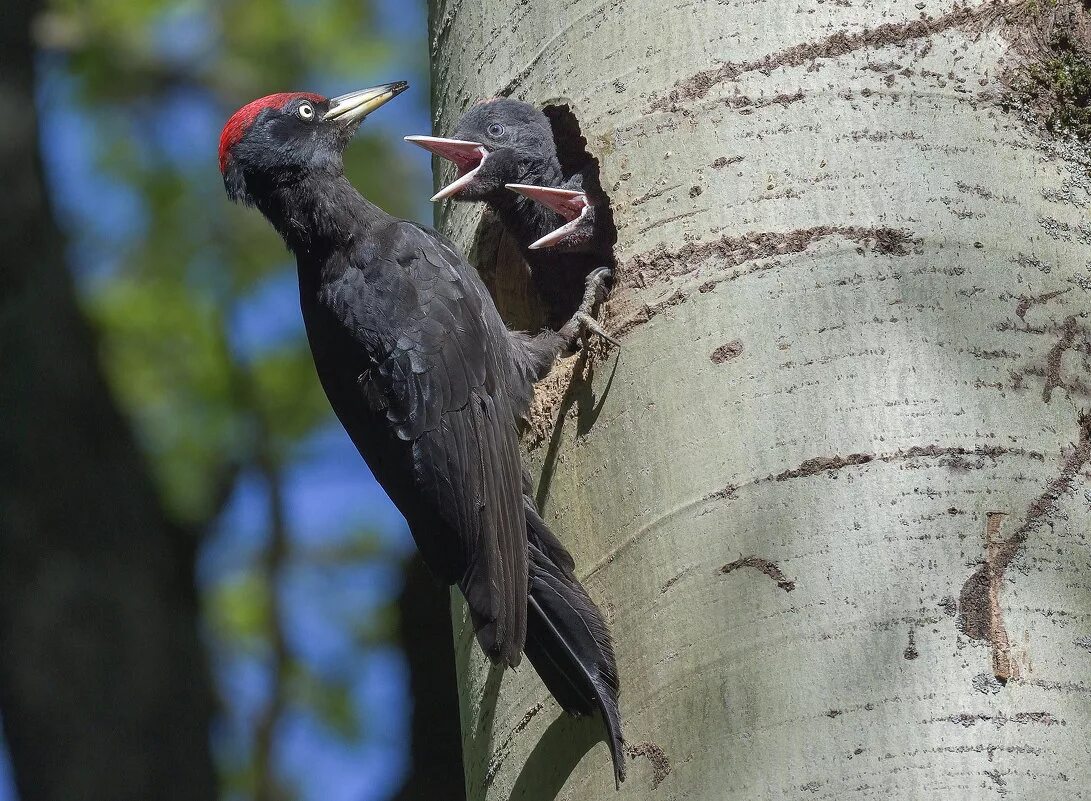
(496, 130)
(305, 111)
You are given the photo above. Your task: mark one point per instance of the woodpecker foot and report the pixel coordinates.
(583, 321)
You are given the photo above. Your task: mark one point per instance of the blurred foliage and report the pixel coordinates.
(148, 83)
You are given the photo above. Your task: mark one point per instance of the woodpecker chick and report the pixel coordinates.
(581, 218)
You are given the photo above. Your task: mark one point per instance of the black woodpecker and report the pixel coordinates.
(430, 385)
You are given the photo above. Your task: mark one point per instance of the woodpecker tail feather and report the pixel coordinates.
(568, 642)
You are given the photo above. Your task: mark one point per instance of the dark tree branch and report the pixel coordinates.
(104, 688)
(267, 787)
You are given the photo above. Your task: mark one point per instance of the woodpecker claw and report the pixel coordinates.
(592, 325)
(594, 294)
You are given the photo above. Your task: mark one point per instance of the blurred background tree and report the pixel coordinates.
(193, 306)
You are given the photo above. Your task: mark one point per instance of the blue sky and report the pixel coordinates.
(330, 493)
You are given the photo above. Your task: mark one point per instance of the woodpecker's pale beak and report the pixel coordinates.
(354, 106)
(466, 156)
(572, 206)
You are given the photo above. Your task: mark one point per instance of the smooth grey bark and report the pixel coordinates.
(104, 691)
(833, 493)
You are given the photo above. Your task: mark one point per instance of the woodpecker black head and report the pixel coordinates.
(496, 142)
(279, 139)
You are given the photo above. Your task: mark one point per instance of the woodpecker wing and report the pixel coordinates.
(446, 388)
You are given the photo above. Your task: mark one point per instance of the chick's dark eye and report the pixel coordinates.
(305, 111)
(496, 130)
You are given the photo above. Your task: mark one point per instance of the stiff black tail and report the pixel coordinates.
(567, 639)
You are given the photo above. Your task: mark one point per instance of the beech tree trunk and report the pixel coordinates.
(833, 492)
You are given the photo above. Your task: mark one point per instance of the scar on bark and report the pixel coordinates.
(952, 456)
(1054, 357)
(724, 161)
(968, 719)
(505, 747)
(980, 613)
(839, 44)
(661, 766)
(982, 616)
(661, 265)
(1027, 302)
(771, 569)
(911, 651)
(1051, 371)
(726, 352)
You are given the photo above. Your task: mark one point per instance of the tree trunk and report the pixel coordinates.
(833, 491)
(104, 690)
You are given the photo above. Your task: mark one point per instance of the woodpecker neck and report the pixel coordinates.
(319, 213)
(524, 218)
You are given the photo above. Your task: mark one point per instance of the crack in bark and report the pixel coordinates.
(981, 616)
(724, 161)
(1054, 357)
(662, 265)
(663, 221)
(673, 580)
(911, 651)
(822, 464)
(654, 193)
(504, 748)
(698, 86)
(746, 105)
(726, 352)
(968, 719)
(953, 457)
(1071, 336)
(1026, 302)
(727, 493)
(771, 569)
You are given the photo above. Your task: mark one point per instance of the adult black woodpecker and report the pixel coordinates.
(502, 143)
(430, 385)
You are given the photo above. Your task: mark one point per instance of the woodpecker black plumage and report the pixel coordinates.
(562, 230)
(430, 385)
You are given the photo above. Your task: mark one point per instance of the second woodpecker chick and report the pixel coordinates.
(582, 222)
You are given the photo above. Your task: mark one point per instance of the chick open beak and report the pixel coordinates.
(354, 106)
(466, 156)
(572, 206)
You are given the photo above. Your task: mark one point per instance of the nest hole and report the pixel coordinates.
(574, 156)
